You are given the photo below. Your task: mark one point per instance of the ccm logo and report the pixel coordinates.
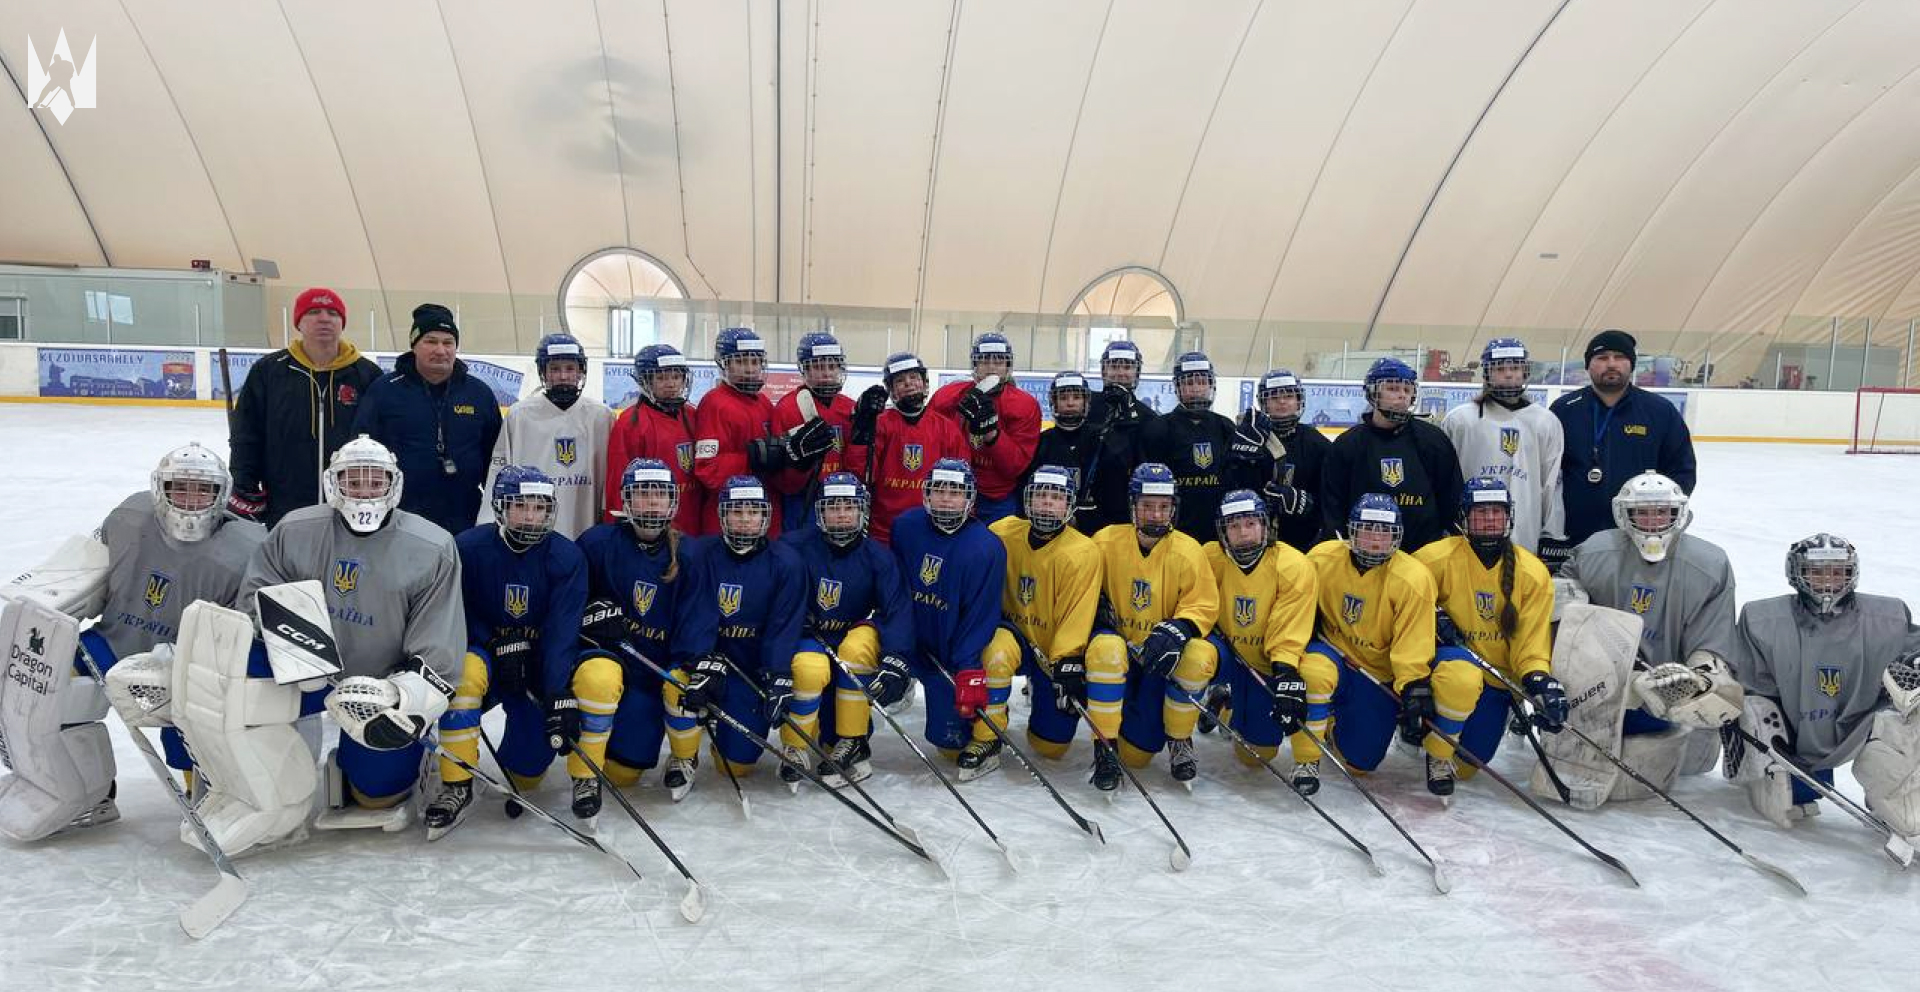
(300, 638)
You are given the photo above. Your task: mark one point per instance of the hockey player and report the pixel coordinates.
(635, 564)
(1681, 587)
(1376, 619)
(156, 552)
(1811, 666)
(1159, 597)
(1267, 602)
(1116, 417)
(659, 425)
(857, 607)
(1047, 605)
(741, 608)
(561, 432)
(1496, 601)
(391, 580)
(1002, 424)
(1207, 455)
(1291, 461)
(1509, 437)
(1069, 444)
(525, 588)
(1390, 451)
(823, 372)
(894, 450)
(954, 569)
(734, 414)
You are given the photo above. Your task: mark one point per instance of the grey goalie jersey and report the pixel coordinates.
(1825, 673)
(1685, 601)
(151, 579)
(391, 594)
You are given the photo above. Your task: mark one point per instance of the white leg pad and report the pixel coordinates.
(261, 777)
(73, 580)
(59, 772)
(1593, 658)
(1657, 757)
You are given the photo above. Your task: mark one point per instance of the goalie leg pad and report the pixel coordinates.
(59, 771)
(1657, 757)
(1888, 769)
(73, 580)
(260, 774)
(1593, 658)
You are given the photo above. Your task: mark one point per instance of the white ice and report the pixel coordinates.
(807, 896)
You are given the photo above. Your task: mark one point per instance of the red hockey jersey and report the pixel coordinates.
(727, 420)
(997, 467)
(643, 431)
(902, 456)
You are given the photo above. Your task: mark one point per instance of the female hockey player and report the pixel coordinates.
(563, 433)
(1509, 437)
(659, 425)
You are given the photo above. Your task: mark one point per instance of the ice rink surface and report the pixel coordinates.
(806, 896)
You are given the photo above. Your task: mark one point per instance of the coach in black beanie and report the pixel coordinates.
(434, 317)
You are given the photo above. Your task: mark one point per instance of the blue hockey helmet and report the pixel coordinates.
(744, 532)
(949, 475)
(742, 358)
(991, 346)
(523, 506)
(1280, 382)
(841, 491)
(558, 346)
(1069, 384)
(1500, 353)
(1194, 367)
(1152, 479)
(1485, 490)
(1374, 514)
(661, 371)
(1387, 370)
(649, 495)
(823, 364)
(1048, 516)
(1237, 504)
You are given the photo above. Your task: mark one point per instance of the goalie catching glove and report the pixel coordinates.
(390, 713)
(1701, 693)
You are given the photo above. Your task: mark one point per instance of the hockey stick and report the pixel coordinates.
(713, 734)
(525, 803)
(226, 384)
(212, 909)
(694, 904)
(813, 744)
(1525, 703)
(867, 691)
(514, 809)
(1472, 759)
(1440, 880)
(1896, 848)
(741, 728)
(1182, 857)
(1092, 828)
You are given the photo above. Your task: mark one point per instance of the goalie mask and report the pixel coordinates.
(190, 488)
(745, 513)
(649, 496)
(949, 494)
(1048, 500)
(523, 505)
(1823, 569)
(1242, 527)
(842, 509)
(1374, 530)
(1651, 510)
(363, 483)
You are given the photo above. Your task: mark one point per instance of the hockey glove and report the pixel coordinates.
(1287, 501)
(1446, 631)
(1549, 701)
(779, 696)
(969, 692)
(1289, 697)
(513, 658)
(563, 723)
(1069, 684)
(977, 410)
(250, 505)
(810, 440)
(892, 680)
(1161, 650)
(1416, 708)
(603, 624)
(768, 454)
(1119, 401)
(1554, 552)
(704, 684)
(866, 414)
(1246, 445)
(391, 713)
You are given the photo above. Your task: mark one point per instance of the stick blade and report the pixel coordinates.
(1785, 877)
(1093, 830)
(1181, 859)
(210, 910)
(1441, 883)
(693, 905)
(1899, 850)
(1007, 853)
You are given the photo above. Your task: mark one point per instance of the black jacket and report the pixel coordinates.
(1301, 465)
(1414, 463)
(289, 418)
(1072, 450)
(1198, 450)
(422, 424)
(1118, 430)
(1643, 431)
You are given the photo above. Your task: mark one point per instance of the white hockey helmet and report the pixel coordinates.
(1651, 510)
(363, 483)
(190, 487)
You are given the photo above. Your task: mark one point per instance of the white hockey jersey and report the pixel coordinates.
(1521, 448)
(568, 445)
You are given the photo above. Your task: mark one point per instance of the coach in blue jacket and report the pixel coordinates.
(1614, 430)
(439, 421)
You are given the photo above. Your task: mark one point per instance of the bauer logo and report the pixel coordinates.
(1243, 611)
(1142, 597)
(729, 598)
(1829, 680)
(1509, 440)
(1642, 600)
(564, 450)
(643, 594)
(827, 596)
(346, 575)
(930, 568)
(1352, 608)
(516, 600)
(158, 585)
(1392, 472)
(61, 85)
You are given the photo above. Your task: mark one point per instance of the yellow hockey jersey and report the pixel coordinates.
(1470, 593)
(1052, 591)
(1171, 581)
(1381, 621)
(1267, 613)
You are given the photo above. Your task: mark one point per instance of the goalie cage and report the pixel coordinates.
(1886, 421)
